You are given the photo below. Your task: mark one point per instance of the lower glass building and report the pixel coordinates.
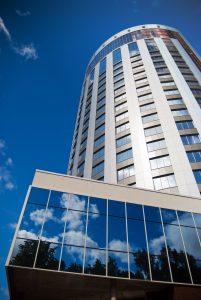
(83, 239)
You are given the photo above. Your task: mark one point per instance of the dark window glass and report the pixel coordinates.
(194, 156)
(116, 56)
(179, 267)
(48, 256)
(24, 253)
(152, 214)
(139, 267)
(96, 231)
(102, 66)
(157, 251)
(197, 175)
(95, 262)
(32, 221)
(197, 218)
(116, 208)
(39, 196)
(134, 211)
(77, 202)
(169, 216)
(72, 259)
(117, 234)
(185, 218)
(58, 199)
(75, 228)
(53, 228)
(97, 205)
(117, 264)
(133, 49)
(193, 250)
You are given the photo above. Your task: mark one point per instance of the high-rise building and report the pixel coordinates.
(139, 119)
(109, 235)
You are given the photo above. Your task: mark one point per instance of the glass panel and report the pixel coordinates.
(58, 199)
(117, 264)
(77, 202)
(116, 208)
(39, 196)
(97, 205)
(72, 259)
(24, 253)
(54, 225)
(96, 231)
(116, 56)
(117, 233)
(48, 256)
(138, 250)
(32, 221)
(95, 262)
(176, 253)
(197, 218)
(134, 211)
(185, 218)
(75, 228)
(152, 213)
(169, 216)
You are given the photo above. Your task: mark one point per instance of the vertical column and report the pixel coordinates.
(141, 160)
(182, 170)
(110, 148)
(91, 130)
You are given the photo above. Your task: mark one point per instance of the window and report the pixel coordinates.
(190, 139)
(147, 107)
(116, 71)
(100, 140)
(194, 156)
(184, 125)
(139, 81)
(156, 145)
(197, 175)
(161, 69)
(145, 97)
(100, 109)
(118, 76)
(124, 155)
(100, 128)
(117, 65)
(133, 49)
(82, 155)
(101, 101)
(80, 169)
(121, 116)
(118, 83)
(164, 76)
(122, 88)
(151, 45)
(102, 68)
(100, 119)
(116, 56)
(144, 88)
(164, 182)
(125, 172)
(98, 153)
(180, 112)
(171, 92)
(123, 141)
(122, 127)
(150, 118)
(160, 162)
(153, 130)
(159, 63)
(97, 169)
(120, 106)
(175, 101)
(196, 92)
(118, 98)
(167, 83)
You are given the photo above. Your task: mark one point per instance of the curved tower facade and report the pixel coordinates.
(139, 119)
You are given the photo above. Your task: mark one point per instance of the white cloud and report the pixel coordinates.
(23, 13)
(24, 234)
(4, 29)
(37, 216)
(12, 225)
(54, 239)
(6, 181)
(9, 161)
(118, 245)
(27, 51)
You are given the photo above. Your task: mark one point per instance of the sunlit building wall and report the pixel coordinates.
(139, 118)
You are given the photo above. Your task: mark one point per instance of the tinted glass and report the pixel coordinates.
(96, 231)
(72, 259)
(95, 262)
(97, 205)
(24, 253)
(75, 228)
(77, 202)
(58, 199)
(117, 264)
(185, 218)
(197, 218)
(134, 211)
(169, 216)
(117, 234)
(152, 214)
(48, 256)
(116, 208)
(39, 196)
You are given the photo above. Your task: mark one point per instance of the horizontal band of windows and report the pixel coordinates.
(99, 153)
(180, 112)
(184, 125)
(160, 162)
(175, 101)
(194, 156)
(121, 106)
(122, 127)
(150, 118)
(145, 97)
(123, 140)
(100, 140)
(124, 155)
(98, 168)
(153, 130)
(156, 145)
(118, 76)
(148, 106)
(190, 139)
(122, 116)
(120, 97)
(125, 172)
(118, 83)
(164, 182)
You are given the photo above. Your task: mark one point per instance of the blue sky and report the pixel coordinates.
(44, 49)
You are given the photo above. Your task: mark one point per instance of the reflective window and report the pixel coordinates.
(72, 259)
(118, 83)
(39, 196)
(118, 98)
(125, 172)
(124, 155)
(99, 153)
(116, 208)
(194, 156)
(150, 118)
(153, 130)
(180, 112)
(160, 162)
(134, 211)
(197, 175)
(147, 107)
(190, 139)
(100, 140)
(117, 234)
(98, 168)
(164, 182)
(152, 146)
(48, 256)
(145, 97)
(120, 106)
(175, 102)
(184, 125)
(116, 56)
(96, 231)
(24, 253)
(95, 262)
(97, 205)
(121, 116)
(133, 49)
(117, 264)
(100, 128)
(100, 119)
(102, 66)
(123, 141)
(77, 202)
(122, 127)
